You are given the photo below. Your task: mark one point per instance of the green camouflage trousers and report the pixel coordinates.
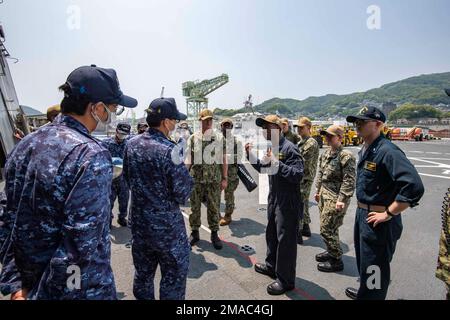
(210, 192)
(229, 196)
(443, 269)
(305, 191)
(330, 221)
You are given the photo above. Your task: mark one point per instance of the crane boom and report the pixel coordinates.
(196, 93)
(203, 88)
(11, 114)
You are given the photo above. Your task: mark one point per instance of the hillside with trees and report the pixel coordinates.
(420, 90)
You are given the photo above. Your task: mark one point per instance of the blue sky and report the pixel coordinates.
(285, 48)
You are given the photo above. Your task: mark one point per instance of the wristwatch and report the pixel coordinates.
(389, 213)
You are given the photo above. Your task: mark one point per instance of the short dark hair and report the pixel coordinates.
(73, 104)
(153, 122)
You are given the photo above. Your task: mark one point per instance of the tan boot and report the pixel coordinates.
(226, 220)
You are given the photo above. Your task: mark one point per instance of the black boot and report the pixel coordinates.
(351, 293)
(194, 238)
(276, 288)
(323, 257)
(217, 243)
(265, 270)
(306, 231)
(332, 265)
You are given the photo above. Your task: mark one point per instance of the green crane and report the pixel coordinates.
(196, 92)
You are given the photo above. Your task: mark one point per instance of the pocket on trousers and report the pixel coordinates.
(376, 235)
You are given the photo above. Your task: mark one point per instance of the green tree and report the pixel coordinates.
(412, 111)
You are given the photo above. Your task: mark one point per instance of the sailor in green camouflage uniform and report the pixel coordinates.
(234, 150)
(443, 268)
(206, 160)
(335, 187)
(309, 149)
(288, 134)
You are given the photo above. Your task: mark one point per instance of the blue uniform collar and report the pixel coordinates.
(124, 141)
(371, 149)
(156, 133)
(72, 123)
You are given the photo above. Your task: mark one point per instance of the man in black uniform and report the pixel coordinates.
(285, 208)
(386, 185)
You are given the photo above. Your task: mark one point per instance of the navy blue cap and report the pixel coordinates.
(368, 113)
(99, 85)
(165, 108)
(123, 128)
(447, 91)
(142, 125)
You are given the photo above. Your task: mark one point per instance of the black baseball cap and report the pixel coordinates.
(142, 125)
(123, 128)
(165, 108)
(368, 113)
(99, 85)
(447, 91)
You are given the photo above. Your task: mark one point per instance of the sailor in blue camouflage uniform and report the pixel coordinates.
(387, 184)
(10, 278)
(58, 182)
(3, 233)
(159, 183)
(116, 147)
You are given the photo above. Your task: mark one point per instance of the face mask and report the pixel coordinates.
(102, 125)
(184, 133)
(171, 132)
(122, 136)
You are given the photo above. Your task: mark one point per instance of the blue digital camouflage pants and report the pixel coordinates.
(120, 190)
(160, 238)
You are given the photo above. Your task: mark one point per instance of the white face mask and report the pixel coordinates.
(121, 136)
(171, 132)
(102, 125)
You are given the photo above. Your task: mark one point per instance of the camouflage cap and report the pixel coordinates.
(268, 119)
(285, 121)
(303, 121)
(226, 120)
(56, 108)
(333, 130)
(52, 112)
(205, 115)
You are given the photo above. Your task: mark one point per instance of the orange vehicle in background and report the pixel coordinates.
(411, 134)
